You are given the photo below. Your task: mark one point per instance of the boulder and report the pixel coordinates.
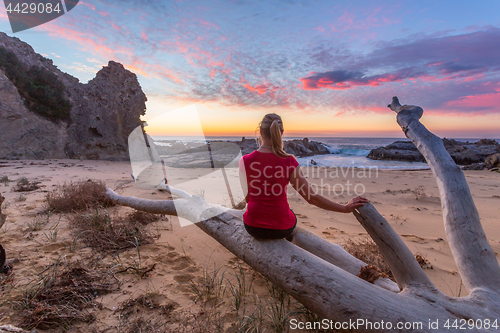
(492, 161)
(299, 148)
(397, 151)
(463, 153)
(247, 145)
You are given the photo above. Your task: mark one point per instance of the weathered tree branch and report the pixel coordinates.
(404, 266)
(324, 288)
(475, 259)
(335, 254)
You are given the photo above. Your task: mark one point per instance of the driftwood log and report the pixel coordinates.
(322, 276)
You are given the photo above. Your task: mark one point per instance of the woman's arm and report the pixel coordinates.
(243, 179)
(301, 185)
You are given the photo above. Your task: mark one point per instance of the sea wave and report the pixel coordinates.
(358, 161)
(348, 151)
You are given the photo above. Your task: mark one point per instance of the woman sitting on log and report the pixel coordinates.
(265, 174)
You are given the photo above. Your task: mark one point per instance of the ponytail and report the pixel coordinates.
(272, 126)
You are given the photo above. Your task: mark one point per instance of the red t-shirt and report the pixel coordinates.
(268, 176)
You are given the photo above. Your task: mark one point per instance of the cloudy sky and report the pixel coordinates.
(328, 67)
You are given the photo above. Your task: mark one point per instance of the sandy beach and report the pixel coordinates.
(409, 200)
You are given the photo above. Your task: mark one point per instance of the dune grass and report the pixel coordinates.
(61, 296)
(106, 232)
(78, 196)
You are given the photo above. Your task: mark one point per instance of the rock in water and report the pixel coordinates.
(397, 151)
(104, 112)
(463, 153)
(304, 147)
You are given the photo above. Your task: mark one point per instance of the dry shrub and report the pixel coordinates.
(24, 185)
(423, 262)
(61, 299)
(367, 251)
(104, 232)
(143, 218)
(78, 196)
(370, 273)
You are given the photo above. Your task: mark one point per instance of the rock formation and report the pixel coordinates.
(299, 148)
(492, 161)
(463, 153)
(104, 112)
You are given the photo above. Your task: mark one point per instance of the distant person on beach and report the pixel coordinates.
(264, 176)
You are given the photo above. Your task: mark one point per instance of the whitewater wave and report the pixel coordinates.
(348, 151)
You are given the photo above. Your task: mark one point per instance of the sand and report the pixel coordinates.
(408, 199)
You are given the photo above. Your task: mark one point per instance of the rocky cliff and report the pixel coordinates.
(104, 112)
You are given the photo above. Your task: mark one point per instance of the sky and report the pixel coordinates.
(329, 68)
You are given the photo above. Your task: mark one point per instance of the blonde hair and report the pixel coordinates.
(271, 126)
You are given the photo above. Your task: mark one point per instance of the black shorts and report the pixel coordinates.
(264, 233)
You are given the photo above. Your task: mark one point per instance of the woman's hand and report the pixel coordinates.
(355, 203)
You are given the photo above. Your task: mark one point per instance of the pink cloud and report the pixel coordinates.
(91, 6)
(482, 102)
(97, 46)
(261, 88)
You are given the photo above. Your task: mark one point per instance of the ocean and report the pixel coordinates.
(345, 152)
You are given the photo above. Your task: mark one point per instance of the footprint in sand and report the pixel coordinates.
(415, 239)
(308, 224)
(184, 278)
(328, 234)
(50, 248)
(177, 261)
(301, 216)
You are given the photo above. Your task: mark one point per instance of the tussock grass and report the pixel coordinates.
(210, 286)
(5, 180)
(25, 185)
(78, 196)
(61, 298)
(104, 232)
(38, 222)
